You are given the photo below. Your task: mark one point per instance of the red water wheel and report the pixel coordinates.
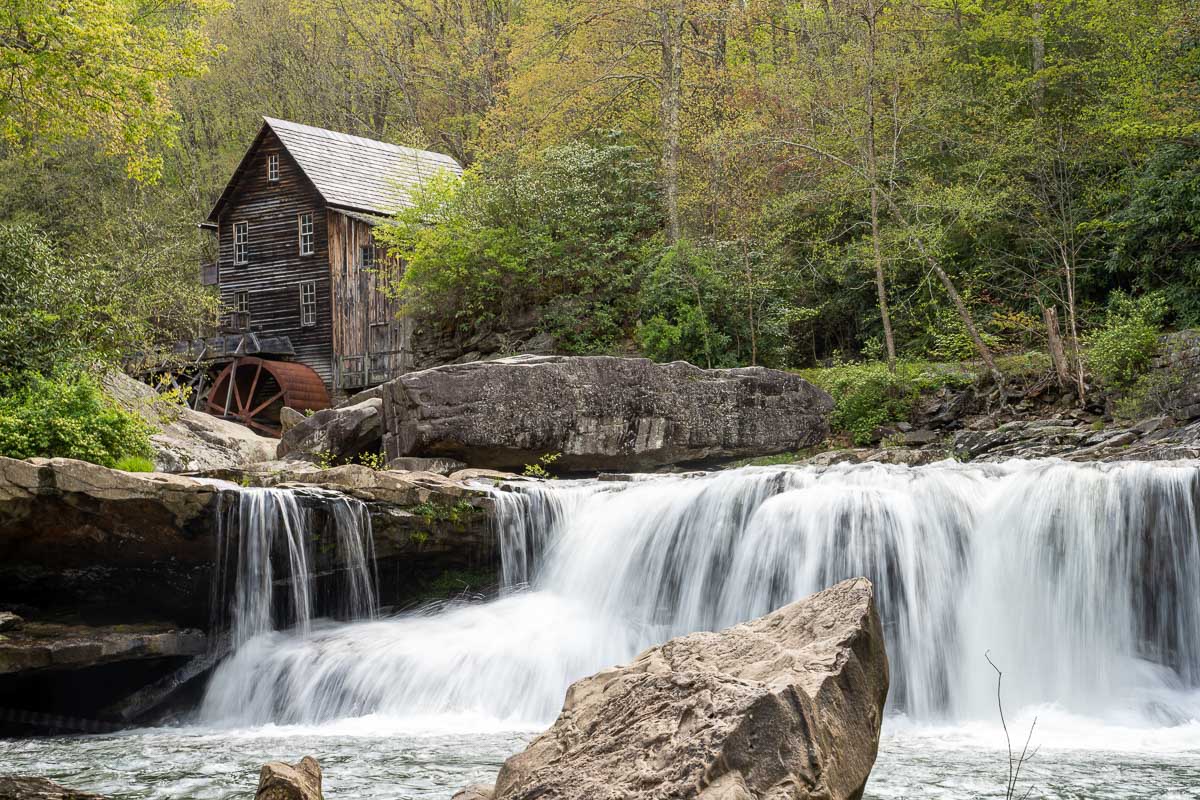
(252, 391)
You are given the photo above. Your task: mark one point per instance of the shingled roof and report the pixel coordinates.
(349, 172)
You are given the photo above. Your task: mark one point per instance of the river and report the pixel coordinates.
(1082, 582)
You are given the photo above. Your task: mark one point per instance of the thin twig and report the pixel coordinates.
(1014, 765)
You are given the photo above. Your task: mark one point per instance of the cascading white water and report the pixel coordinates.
(1083, 582)
(266, 528)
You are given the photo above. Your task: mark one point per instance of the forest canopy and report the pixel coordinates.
(751, 182)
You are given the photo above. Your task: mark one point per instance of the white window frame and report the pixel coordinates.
(307, 238)
(241, 242)
(241, 302)
(273, 167)
(308, 303)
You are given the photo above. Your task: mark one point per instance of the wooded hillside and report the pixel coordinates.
(726, 181)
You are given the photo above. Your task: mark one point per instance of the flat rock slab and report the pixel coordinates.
(599, 413)
(16, 787)
(787, 706)
(44, 645)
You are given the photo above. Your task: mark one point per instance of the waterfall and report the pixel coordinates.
(264, 531)
(1081, 581)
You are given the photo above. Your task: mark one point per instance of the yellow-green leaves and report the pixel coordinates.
(98, 68)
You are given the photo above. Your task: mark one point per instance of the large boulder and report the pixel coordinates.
(335, 434)
(280, 781)
(599, 412)
(786, 706)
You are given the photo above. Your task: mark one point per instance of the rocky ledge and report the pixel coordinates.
(185, 440)
(789, 705)
(103, 545)
(53, 645)
(1070, 436)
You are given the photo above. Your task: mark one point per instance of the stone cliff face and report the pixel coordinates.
(599, 413)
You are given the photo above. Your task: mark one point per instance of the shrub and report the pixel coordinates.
(375, 461)
(542, 468)
(134, 464)
(59, 307)
(69, 416)
(1120, 351)
(867, 396)
(951, 342)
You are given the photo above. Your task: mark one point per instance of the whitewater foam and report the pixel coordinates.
(1082, 581)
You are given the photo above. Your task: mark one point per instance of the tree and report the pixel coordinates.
(556, 243)
(98, 68)
(614, 64)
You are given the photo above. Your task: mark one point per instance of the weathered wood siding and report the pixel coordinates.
(370, 341)
(275, 268)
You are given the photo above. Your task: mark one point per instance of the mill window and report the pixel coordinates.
(306, 234)
(308, 302)
(240, 318)
(241, 237)
(366, 256)
(273, 167)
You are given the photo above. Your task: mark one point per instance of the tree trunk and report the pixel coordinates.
(981, 347)
(871, 15)
(1058, 356)
(750, 304)
(1076, 350)
(672, 91)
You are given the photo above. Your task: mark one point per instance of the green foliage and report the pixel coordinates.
(1156, 234)
(41, 305)
(70, 417)
(99, 67)
(324, 459)
(542, 469)
(457, 513)
(556, 241)
(681, 300)
(779, 458)
(867, 396)
(1150, 394)
(61, 313)
(1021, 179)
(375, 461)
(951, 342)
(134, 464)
(1121, 350)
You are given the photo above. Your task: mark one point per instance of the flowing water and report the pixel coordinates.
(261, 530)
(1082, 582)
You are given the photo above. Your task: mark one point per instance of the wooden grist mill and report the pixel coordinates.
(308, 315)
